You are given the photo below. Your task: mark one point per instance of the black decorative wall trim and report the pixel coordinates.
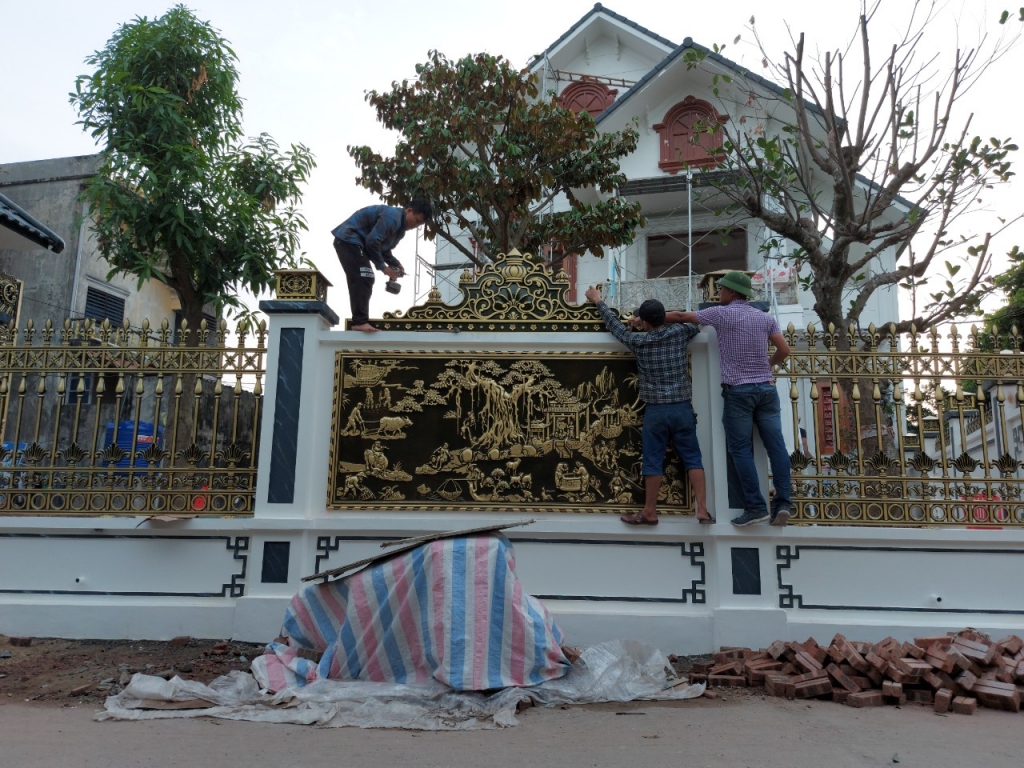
(786, 554)
(276, 555)
(284, 450)
(236, 588)
(697, 595)
(746, 570)
(286, 307)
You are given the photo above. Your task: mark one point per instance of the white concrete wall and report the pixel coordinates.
(673, 585)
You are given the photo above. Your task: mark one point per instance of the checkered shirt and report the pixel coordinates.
(660, 357)
(743, 333)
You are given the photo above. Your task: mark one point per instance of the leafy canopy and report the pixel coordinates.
(492, 155)
(181, 196)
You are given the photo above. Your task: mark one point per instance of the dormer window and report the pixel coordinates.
(587, 96)
(689, 135)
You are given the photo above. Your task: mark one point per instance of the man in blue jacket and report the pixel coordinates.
(364, 241)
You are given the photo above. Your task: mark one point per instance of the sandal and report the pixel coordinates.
(637, 519)
(709, 520)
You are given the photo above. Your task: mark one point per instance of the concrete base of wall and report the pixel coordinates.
(682, 587)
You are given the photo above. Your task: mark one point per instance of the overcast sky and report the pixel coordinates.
(306, 64)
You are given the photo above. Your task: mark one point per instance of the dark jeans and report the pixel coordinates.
(359, 276)
(748, 406)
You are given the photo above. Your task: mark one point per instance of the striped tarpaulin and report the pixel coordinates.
(450, 610)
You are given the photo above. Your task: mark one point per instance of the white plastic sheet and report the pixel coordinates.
(624, 670)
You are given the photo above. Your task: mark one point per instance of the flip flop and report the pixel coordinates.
(707, 520)
(637, 519)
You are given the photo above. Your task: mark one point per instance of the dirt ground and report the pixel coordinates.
(64, 672)
(73, 672)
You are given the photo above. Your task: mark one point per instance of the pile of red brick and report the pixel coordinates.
(954, 672)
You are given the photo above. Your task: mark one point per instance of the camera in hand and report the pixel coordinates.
(392, 286)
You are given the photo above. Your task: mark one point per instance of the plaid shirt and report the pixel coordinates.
(743, 333)
(376, 229)
(660, 357)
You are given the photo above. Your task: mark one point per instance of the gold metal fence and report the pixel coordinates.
(916, 429)
(98, 419)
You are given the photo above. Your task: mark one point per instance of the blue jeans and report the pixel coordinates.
(666, 423)
(747, 406)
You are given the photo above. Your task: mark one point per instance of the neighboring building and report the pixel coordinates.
(58, 265)
(619, 72)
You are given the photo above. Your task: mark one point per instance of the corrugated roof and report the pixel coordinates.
(598, 8)
(16, 219)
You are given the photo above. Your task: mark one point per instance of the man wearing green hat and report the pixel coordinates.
(751, 399)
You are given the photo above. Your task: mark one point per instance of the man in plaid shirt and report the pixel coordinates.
(748, 386)
(666, 391)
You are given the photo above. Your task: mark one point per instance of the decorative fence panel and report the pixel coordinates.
(103, 420)
(906, 429)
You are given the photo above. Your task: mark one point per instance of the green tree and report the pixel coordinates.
(822, 160)
(493, 155)
(181, 195)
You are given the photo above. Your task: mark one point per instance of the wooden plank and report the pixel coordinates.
(411, 544)
(452, 534)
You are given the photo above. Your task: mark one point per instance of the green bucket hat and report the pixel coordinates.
(737, 281)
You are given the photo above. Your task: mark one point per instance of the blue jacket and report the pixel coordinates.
(376, 229)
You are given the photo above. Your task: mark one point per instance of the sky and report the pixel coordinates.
(306, 65)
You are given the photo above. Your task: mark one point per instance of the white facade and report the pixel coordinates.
(650, 76)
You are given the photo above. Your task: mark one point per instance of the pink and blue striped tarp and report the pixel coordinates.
(451, 610)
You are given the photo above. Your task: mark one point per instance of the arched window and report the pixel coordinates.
(587, 96)
(689, 135)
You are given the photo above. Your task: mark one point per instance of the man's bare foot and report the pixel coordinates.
(704, 517)
(365, 328)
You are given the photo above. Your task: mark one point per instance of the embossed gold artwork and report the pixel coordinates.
(490, 431)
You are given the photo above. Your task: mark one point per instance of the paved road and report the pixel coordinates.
(740, 731)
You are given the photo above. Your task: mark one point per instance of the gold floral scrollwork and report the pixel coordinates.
(301, 285)
(798, 461)
(514, 293)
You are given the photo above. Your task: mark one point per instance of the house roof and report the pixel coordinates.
(764, 82)
(600, 9)
(19, 221)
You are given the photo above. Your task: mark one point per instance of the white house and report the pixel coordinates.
(625, 75)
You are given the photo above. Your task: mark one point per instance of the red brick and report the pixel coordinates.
(892, 689)
(728, 668)
(727, 681)
(928, 642)
(966, 680)
(965, 705)
(909, 649)
(943, 698)
(939, 659)
(810, 688)
(997, 695)
(1011, 644)
(973, 649)
(725, 656)
(864, 683)
(865, 699)
(920, 695)
(841, 678)
(780, 685)
(877, 662)
(807, 662)
(839, 696)
(777, 649)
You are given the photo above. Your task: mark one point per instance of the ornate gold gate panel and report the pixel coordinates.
(429, 430)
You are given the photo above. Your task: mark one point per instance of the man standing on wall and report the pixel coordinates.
(748, 386)
(364, 241)
(666, 391)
